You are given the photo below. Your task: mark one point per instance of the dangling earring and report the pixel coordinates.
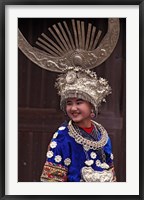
(92, 114)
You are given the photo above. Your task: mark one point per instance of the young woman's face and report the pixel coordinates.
(79, 111)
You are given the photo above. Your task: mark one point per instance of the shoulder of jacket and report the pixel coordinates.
(61, 133)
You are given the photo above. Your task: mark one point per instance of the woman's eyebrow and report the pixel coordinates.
(68, 101)
(80, 100)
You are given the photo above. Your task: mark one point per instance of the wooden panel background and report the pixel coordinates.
(39, 114)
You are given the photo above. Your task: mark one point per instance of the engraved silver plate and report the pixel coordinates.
(89, 175)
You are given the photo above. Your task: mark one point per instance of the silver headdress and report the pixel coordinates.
(82, 84)
(73, 52)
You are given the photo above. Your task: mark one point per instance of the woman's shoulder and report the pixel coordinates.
(61, 132)
(63, 127)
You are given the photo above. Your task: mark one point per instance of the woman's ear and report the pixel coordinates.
(92, 114)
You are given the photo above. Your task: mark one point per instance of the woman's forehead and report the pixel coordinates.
(74, 99)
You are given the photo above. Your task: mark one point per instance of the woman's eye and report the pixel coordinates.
(79, 102)
(68, 103)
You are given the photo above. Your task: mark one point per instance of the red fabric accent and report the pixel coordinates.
(88, 130)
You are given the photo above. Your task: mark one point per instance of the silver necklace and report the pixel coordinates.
(88, 161)
(87, 144)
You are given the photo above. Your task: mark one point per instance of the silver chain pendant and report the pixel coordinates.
(89, 162)
(86, 148)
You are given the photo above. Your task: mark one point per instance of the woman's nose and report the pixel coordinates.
(73, 107)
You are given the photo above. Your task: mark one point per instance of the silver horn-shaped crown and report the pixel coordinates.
(79, 47)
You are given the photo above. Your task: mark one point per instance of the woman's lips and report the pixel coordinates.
(75, 114)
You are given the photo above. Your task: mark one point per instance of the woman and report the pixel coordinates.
(81, 148)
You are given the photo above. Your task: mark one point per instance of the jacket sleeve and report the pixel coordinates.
(110, 158)
(55, 168)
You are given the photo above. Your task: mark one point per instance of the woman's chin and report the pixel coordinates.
(75, 119)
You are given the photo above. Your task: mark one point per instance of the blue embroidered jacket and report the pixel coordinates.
(66, 158)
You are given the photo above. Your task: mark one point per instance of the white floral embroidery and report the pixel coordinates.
(104, 165)
(58, 158)
(49, 154)
(67, 161)
(98, 163)
(111, 156)
(62, 128)
(53, 144)
(93, 155)
(55, 135)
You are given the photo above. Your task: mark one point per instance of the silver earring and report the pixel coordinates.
(92, 114)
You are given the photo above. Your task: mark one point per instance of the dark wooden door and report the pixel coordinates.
(39, 114)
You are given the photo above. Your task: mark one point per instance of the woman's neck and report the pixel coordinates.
(84, 124)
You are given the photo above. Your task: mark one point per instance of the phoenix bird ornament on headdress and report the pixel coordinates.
(73, 52)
